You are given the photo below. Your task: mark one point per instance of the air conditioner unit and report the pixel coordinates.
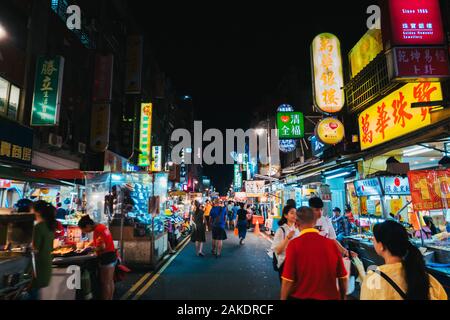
(55, 140)
(81, 148)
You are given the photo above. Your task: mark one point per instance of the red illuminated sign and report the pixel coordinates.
(420, 62)
(414, 22)
(5, 184)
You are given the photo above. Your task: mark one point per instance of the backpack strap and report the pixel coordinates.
(393, 284)
(284, 232)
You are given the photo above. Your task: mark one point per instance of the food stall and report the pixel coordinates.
(409, 199)
(122, 201)
(15, 242)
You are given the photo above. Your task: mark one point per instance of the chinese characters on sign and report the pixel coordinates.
(157, 158)
(16, 142)
(368, 187)
(47, 91)
(254, 188)
(290, 125)
(430, 189)
(145, 135)
(327, 70)
(420, 62)
(367, 48)
(393, 116)
(395, 186)
(414, 23)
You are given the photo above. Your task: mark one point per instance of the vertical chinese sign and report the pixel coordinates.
(156, 158)
(237, 178)
(393, 117)
(328, 80)
(47, 91)
(430, 189)
(291, 125)
(145, 135)
(133, 81)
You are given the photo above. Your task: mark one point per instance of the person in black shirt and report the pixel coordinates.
(241, 223)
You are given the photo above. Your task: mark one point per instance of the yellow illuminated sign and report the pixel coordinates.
(367, 48)
(330, 131)
(327, 72)
(393, 116)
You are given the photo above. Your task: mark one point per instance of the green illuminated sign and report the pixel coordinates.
(47, 91)
(291, 125)
(145, 135)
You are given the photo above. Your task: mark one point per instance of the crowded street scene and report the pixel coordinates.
(164, 154)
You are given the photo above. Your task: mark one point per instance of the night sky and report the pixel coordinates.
(227, 57)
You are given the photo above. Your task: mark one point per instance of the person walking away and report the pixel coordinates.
(249, 216)
(313, 264)
(285, 233)
(325, 227)
(208, 207)
(218, 217)
(230, 220)
(403, 276)
(198, 235)
(106, 253)
(235, 210)
(61, 213)
(340, 224)
(241, 223)
(43, 236)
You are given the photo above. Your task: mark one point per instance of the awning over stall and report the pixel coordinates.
(10, 173)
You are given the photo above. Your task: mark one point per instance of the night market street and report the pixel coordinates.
(180, 157)
(242, 273)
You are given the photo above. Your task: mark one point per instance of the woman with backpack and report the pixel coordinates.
(285, 233)
(403, 276)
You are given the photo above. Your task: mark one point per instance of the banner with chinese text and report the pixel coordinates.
(47, 91)
(393, 117)
(430, 189)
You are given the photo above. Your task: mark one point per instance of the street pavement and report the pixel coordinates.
(241, 273)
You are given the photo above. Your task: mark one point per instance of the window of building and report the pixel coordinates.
(9, 99)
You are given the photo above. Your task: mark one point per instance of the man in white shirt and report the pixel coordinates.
(325, 226)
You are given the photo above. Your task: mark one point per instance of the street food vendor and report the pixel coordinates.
(43, 236)
(106, 252)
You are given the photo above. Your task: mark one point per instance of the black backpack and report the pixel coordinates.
(274, 256)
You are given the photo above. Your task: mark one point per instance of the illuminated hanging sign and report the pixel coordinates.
(395, 186)
(237, 177)
(47, 91)
(254, 188)
(416, 22)
(156, 158)
(291, 125)
(368, 187)
(367, 48)
(393, 116)
(287, 146)
(419, 63)
(330, 131)
(328, 77)
(145, 135)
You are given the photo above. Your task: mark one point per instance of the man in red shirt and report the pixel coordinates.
(313, 264)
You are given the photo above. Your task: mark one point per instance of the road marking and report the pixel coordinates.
(136, 286)
(156, 276)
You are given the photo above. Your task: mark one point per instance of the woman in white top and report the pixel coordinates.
(285, 233)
